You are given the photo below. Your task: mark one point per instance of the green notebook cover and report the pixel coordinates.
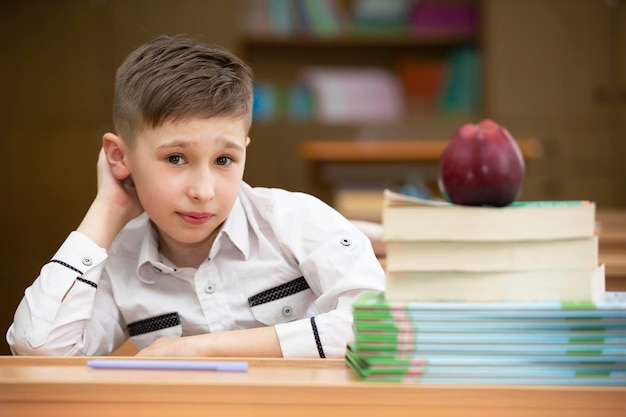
(482, 326)
(374, 365)
(613, 302)
(540, 370)
(529, 337)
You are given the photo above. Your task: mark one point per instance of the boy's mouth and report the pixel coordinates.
(195, 218)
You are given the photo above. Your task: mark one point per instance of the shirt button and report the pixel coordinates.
(87, 261)
(345, 241)
(287, 311)
(210, 288)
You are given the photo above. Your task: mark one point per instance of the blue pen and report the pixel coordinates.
(168, 364)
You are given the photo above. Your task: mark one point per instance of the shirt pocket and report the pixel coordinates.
(144, 332)
(281, 304)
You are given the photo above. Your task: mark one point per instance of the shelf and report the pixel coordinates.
(390, 151)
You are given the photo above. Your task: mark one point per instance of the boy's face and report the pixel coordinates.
(187, 176)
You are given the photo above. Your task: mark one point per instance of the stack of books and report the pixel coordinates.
(484, 295)
(539, 343)
(527, 251)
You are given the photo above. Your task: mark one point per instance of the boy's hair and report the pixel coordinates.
(171, 79)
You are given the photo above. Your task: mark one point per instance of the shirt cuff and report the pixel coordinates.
(327, 335)
(296, 339)
(80, 253)
(76, 256)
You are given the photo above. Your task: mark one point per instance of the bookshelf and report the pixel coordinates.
(280, 59)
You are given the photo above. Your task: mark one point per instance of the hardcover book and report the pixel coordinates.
(514, 255)
(509, 285)
(414, 219)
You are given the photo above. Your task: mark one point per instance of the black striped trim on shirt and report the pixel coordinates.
(153, 324)
(318, 342)
(86, 281)
(66, 265)
(276, 293)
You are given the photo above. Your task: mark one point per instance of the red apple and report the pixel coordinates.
(482, 165)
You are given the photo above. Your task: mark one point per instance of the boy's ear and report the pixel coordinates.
(115, 149)
(247, 141)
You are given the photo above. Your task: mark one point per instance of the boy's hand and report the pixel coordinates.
(116, 204)
(118, 193)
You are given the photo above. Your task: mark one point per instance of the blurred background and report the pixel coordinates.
(359, 71)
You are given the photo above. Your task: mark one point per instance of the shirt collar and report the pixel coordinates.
(235, 228)
(149, 259)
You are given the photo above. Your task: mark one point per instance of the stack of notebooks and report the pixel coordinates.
(539, 343)
(479, 295)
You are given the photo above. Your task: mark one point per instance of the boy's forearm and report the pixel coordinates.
(103, 222)
(257, 342)
(260, 342)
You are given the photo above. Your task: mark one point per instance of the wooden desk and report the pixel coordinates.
(36, 386)
(612, 251)
(615, 264)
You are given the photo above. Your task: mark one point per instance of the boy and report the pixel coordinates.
(176, 251)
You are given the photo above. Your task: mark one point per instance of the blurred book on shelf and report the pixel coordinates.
(320, 17)
(436, 16)
(293, 101)
(355, 95)
(461, 88)
(265, 104)
(284, 18)
(422, 79)
(281, 16)
(380, 17)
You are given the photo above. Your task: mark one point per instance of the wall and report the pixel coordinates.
(553, 71)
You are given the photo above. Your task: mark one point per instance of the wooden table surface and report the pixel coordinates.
(44, 386)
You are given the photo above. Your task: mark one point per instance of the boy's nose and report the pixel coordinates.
(201, 186)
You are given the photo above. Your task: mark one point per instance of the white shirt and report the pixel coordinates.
(281, 258)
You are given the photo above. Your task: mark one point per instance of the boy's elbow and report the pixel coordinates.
(23, 348)
(20, 345)
(17, 342)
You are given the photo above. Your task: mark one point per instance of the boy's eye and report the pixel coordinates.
(175, 159)
(224, 160)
